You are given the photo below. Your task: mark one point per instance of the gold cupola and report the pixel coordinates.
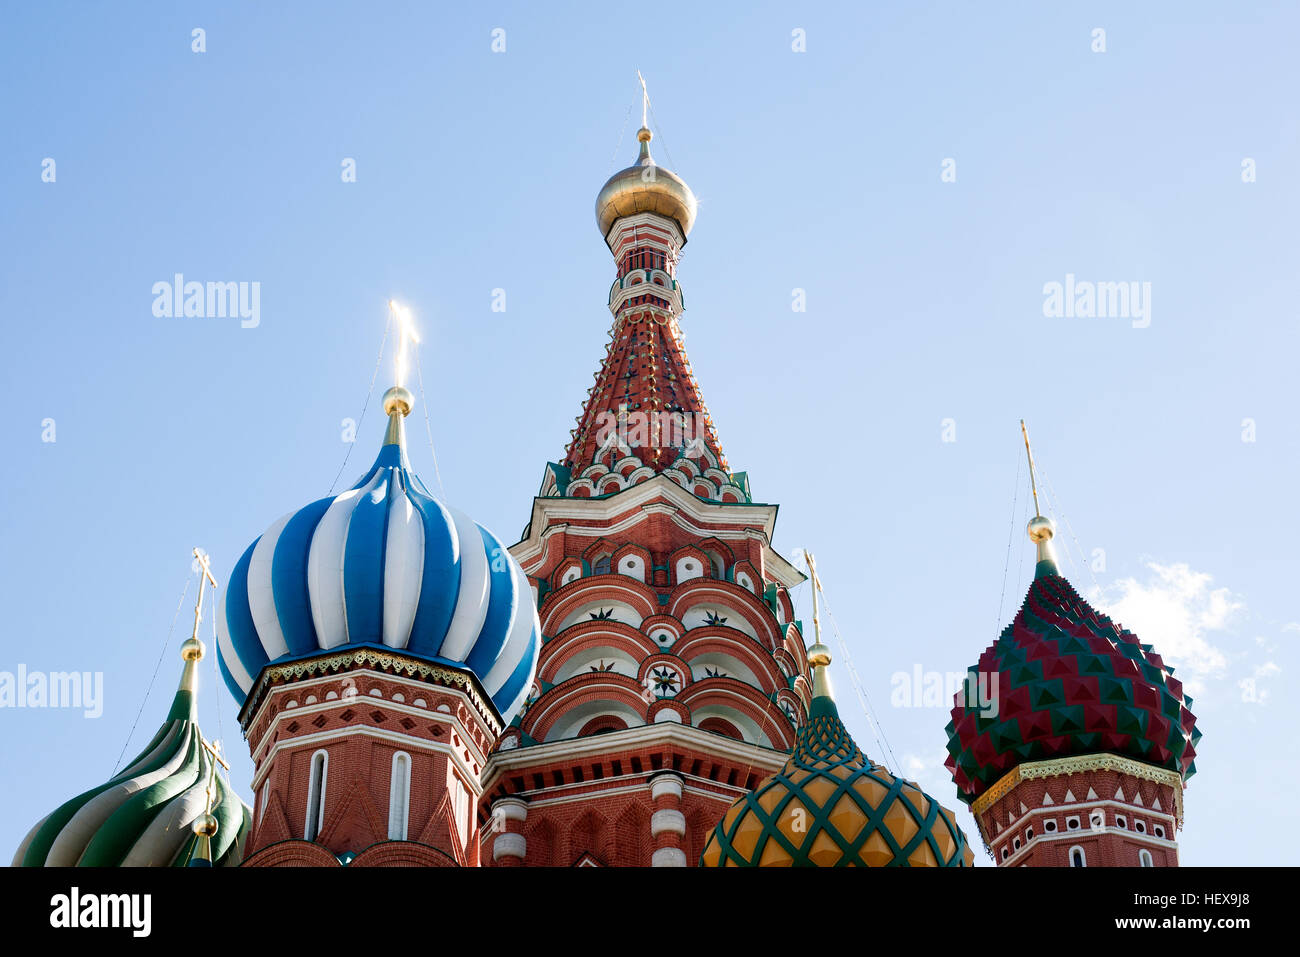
(645, 187)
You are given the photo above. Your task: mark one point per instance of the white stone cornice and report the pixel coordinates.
(628, 784)
(355, 701)
(1073, 836)
(765, 760)
(692, 513)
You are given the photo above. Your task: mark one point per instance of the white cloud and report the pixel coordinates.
(1251, 692)
(931, 776)
(1177, 611)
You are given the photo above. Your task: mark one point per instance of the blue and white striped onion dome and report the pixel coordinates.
(383, 565)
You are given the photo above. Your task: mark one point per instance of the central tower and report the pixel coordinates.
(672, 676)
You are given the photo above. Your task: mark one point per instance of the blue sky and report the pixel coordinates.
(816, 170)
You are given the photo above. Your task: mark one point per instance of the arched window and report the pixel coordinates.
(1145, 858)
(601, 566)
(399, 796)
(320, 762)
(1077, 857)
(717, 567)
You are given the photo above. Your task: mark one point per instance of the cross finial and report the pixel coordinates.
(1040, 529)
(1033, 482)
(204, 568)
(645, 100)
(816, 587)
(406, 335)
(213, 748)
(819, 656)
(205, 825)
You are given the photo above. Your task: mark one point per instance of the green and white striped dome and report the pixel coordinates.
(145, 815)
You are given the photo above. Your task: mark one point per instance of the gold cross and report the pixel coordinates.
(816, 587)
(1033, 483)
(205, 576)
(406, 336)
(214, 749)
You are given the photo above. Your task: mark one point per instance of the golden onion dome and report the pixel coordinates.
(645, 187)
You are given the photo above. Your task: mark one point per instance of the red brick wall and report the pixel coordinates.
(1109, 845)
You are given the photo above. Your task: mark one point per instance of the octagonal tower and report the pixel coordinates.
(672, 675)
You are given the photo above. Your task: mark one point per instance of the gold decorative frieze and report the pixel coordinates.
(390, 662)
(1077, 764)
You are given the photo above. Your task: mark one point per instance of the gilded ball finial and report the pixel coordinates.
(819, 656)
(398, 399)
(644, 135)
(1041, 529)
(192, 649)
(205, 825)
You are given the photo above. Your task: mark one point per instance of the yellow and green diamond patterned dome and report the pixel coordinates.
(830, 806)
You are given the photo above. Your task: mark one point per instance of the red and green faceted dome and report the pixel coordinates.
(1069, 682)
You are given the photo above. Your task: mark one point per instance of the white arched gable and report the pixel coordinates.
(573, 720)
(633, 566)
(688, 567)
(603, 611)
(699, 616)
(729, 665)
(746, 725)
(600, 658)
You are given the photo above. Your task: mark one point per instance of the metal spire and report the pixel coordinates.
(1041, 529)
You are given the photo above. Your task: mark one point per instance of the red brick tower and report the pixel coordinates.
(377, 641)
(672, 676)
(370, 758)
(1072, 740)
